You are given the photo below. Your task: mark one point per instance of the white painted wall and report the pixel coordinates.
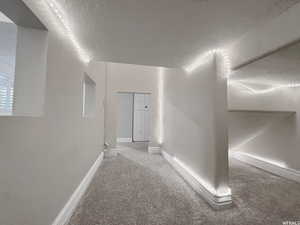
(241, 99)
(195, 116)
(265, 125)
(272, 136)
(245, 126)
(272, 132)
(43, 159)
(277, 135)
(130, 78)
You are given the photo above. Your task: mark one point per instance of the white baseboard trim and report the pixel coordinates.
(267, 166)
(216, 202)
(66, 213)
(154, 150)
(113, 152)
(124, 140)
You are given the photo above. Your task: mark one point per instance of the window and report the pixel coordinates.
(8, 43)
(23, 62)
(89, 97)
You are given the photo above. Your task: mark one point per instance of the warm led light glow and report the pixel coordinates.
(221, 192)
(270, 161)
(262, 91)
(226, 61)
(207, 57)
(160, 102)
(60, 15)
(200, 61)
(250, 138)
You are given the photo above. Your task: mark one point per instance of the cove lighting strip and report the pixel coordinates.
(262, 91)
(249, 139)
(207, 57)
(221, 192)
(60, 15)
(270, 161)
(160, 103)
(200, 61)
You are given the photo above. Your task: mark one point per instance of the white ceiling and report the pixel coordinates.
(163, 32)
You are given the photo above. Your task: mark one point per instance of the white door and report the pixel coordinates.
(141, 118)
(125, 117)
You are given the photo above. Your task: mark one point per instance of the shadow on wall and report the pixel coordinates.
(264, 135)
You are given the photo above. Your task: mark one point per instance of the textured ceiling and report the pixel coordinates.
(163, 32)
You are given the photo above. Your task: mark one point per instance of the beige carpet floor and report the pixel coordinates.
(135, 188)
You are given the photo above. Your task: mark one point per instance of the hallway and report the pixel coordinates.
(146, 112)
(142, 189)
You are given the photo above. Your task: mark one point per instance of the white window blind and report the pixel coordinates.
(8, 43)
(6, 94)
